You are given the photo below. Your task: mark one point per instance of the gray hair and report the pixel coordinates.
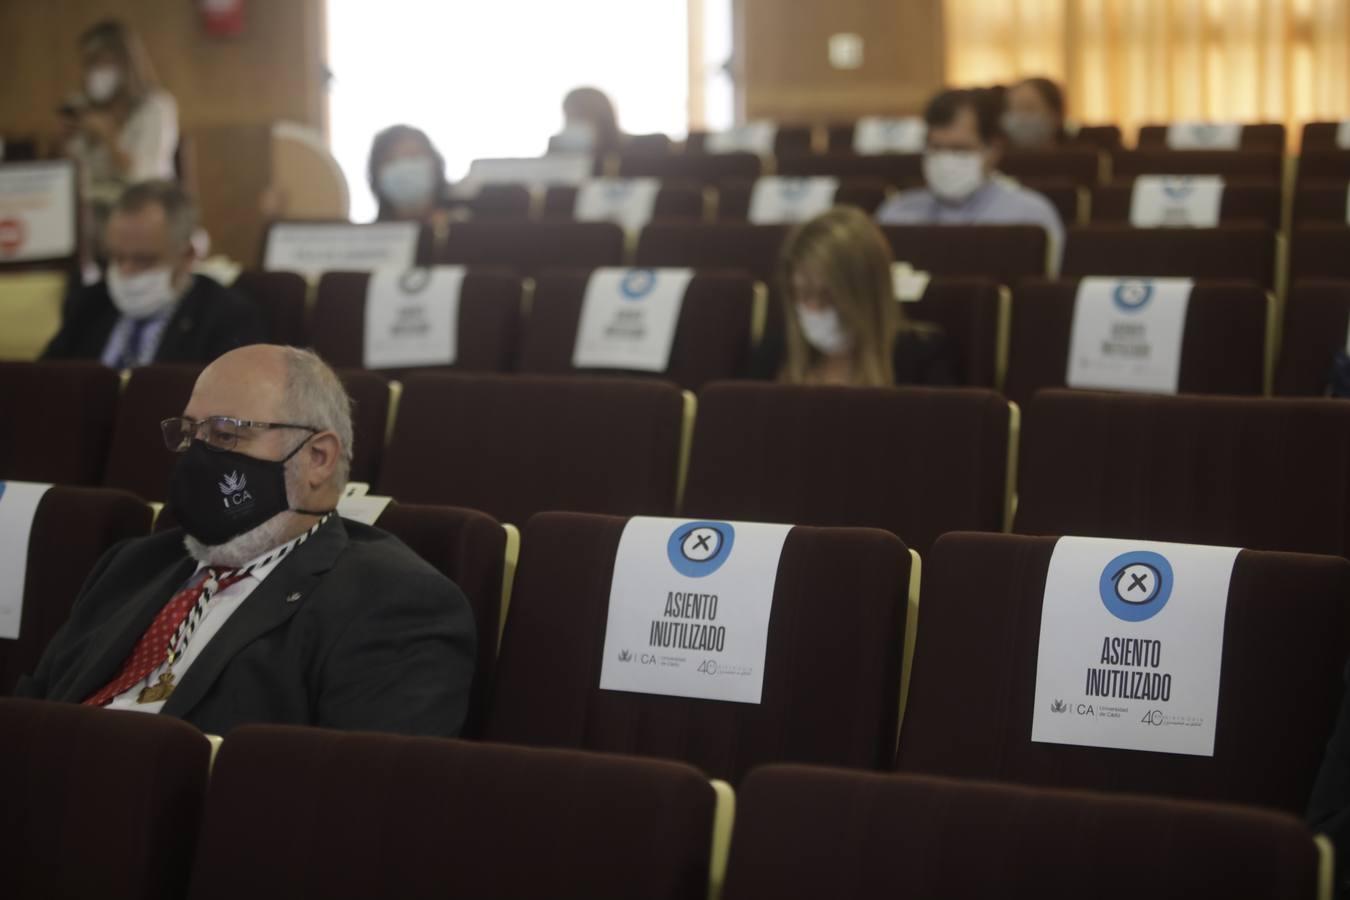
(315, 397)
(180, 212)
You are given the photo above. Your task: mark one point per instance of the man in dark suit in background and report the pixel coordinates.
(151, 307)
(264, 605)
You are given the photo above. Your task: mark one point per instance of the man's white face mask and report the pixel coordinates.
(953, 175)
(143, 294)
(823, 330)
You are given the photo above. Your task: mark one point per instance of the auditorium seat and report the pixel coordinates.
(497, 202)
(1078, 165)
(712, 337)
(1223, 350)
(280, 297)
(704, 169)
(139, 462)
(72, 527)
(55, 421)
(469, 548)
(810, 832)
(1066, 197)
(1323, 167)
(1251, 165)
(1002, 252)
(1228, 251)
(675, 202)
(488, 325)
(1242, 472)
(915, 461)
(1323, 202)
(1103, 137)
(971, 313)
(1320, 136)
(1316, 328)
(724, 245)
(512, 446)
(296, 812)
(530, 247)
(98, 803)
(788, 139)
(890, 168)
(734, 198)
(1242, 203)
(1264, 136)
(343, 231)
(1319, 251)
(1286, 635)
(840, 602)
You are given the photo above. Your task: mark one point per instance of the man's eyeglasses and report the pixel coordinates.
(218, 432)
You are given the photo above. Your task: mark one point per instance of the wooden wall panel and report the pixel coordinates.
(785, 71)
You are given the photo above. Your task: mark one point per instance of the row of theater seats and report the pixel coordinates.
(1005, 253)
(1017, 342)
(917, 462)
(288, 812)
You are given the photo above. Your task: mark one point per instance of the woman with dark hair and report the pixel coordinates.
(125, 126)
(589, 124)
(1035, 114)
(407, 176)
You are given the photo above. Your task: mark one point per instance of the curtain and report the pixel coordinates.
(1137, 62)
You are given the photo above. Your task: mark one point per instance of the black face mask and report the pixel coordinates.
(217, 495)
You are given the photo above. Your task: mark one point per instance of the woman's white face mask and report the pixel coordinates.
(823, 330)
(101, 83)
(409, 182)
(575, 137)
(953, 175)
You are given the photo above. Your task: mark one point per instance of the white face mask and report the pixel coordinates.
(823, 330)
(408, 183)
(1028, 129)
(576, 137)
(143, 294)
(953, 174)
(101, 84)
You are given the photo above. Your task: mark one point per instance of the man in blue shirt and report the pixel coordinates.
(151, 307)
(964, 187)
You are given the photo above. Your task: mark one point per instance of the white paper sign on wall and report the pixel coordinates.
(37, 211)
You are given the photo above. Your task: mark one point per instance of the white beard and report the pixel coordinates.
(252, 543)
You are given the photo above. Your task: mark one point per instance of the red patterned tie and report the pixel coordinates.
(153, 647)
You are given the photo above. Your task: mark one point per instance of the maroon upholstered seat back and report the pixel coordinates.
(138, 461)
(1002, 252)
(304, 812)
(530, 247)
(55, 421)
(1223, 350)
(1260, 473)
(704, 169)
(1264, 136)
(914, 461)
(1316, 316)
(1078, 164)
(725, 245)
(1286, 635)
(1322, 167)
(1322, 203)
(712, 336)
(967, 310)
(98, 803)
(516, 445)
(1266, 165)
(469, 548)
(1228, 251)
(1256, 203)
(891, 168)
(72, 528)
(1320, 250)
(488, 325)
(280, 297)
(805, 833)
(831, 672)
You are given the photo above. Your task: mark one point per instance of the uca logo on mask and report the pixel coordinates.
(235, 488)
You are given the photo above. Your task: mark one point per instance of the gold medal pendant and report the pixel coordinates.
(153, 693)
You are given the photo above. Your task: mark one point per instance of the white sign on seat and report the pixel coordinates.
(1343, 134)
(535, 173)
(878, 134)
(412, 317)
(1204, 135)
(908, 283)
(629, 202)
(628, 318)
(37, 211)
(752, 137)
(312, 248)
(689, 608)
(1176, 201)
(1127, 334)
(776, 200)
(1131, 645)
(18, 503)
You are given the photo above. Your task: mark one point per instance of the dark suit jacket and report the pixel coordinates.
(210, 320)
(352, 630)
(920, 356)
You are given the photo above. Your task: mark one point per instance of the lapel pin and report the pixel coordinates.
(291, 598)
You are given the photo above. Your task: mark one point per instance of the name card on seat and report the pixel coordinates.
(535, 173)
(1204, 135)
(412, 317)
(752, 137)
(37, 211)
(1127, 334)
(628, 318)
(776, 200)
(312, 248)
(908, 283)
(689, 608)
(1131, 645)
(878, 134)
(1176, 201)
(18, 503)
(628, 202)
(1343, 134)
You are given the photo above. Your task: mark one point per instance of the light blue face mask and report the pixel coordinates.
(408, 183)
(823, 330)
(576, 137)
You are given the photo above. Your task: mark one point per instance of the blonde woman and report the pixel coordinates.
(843, 325)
